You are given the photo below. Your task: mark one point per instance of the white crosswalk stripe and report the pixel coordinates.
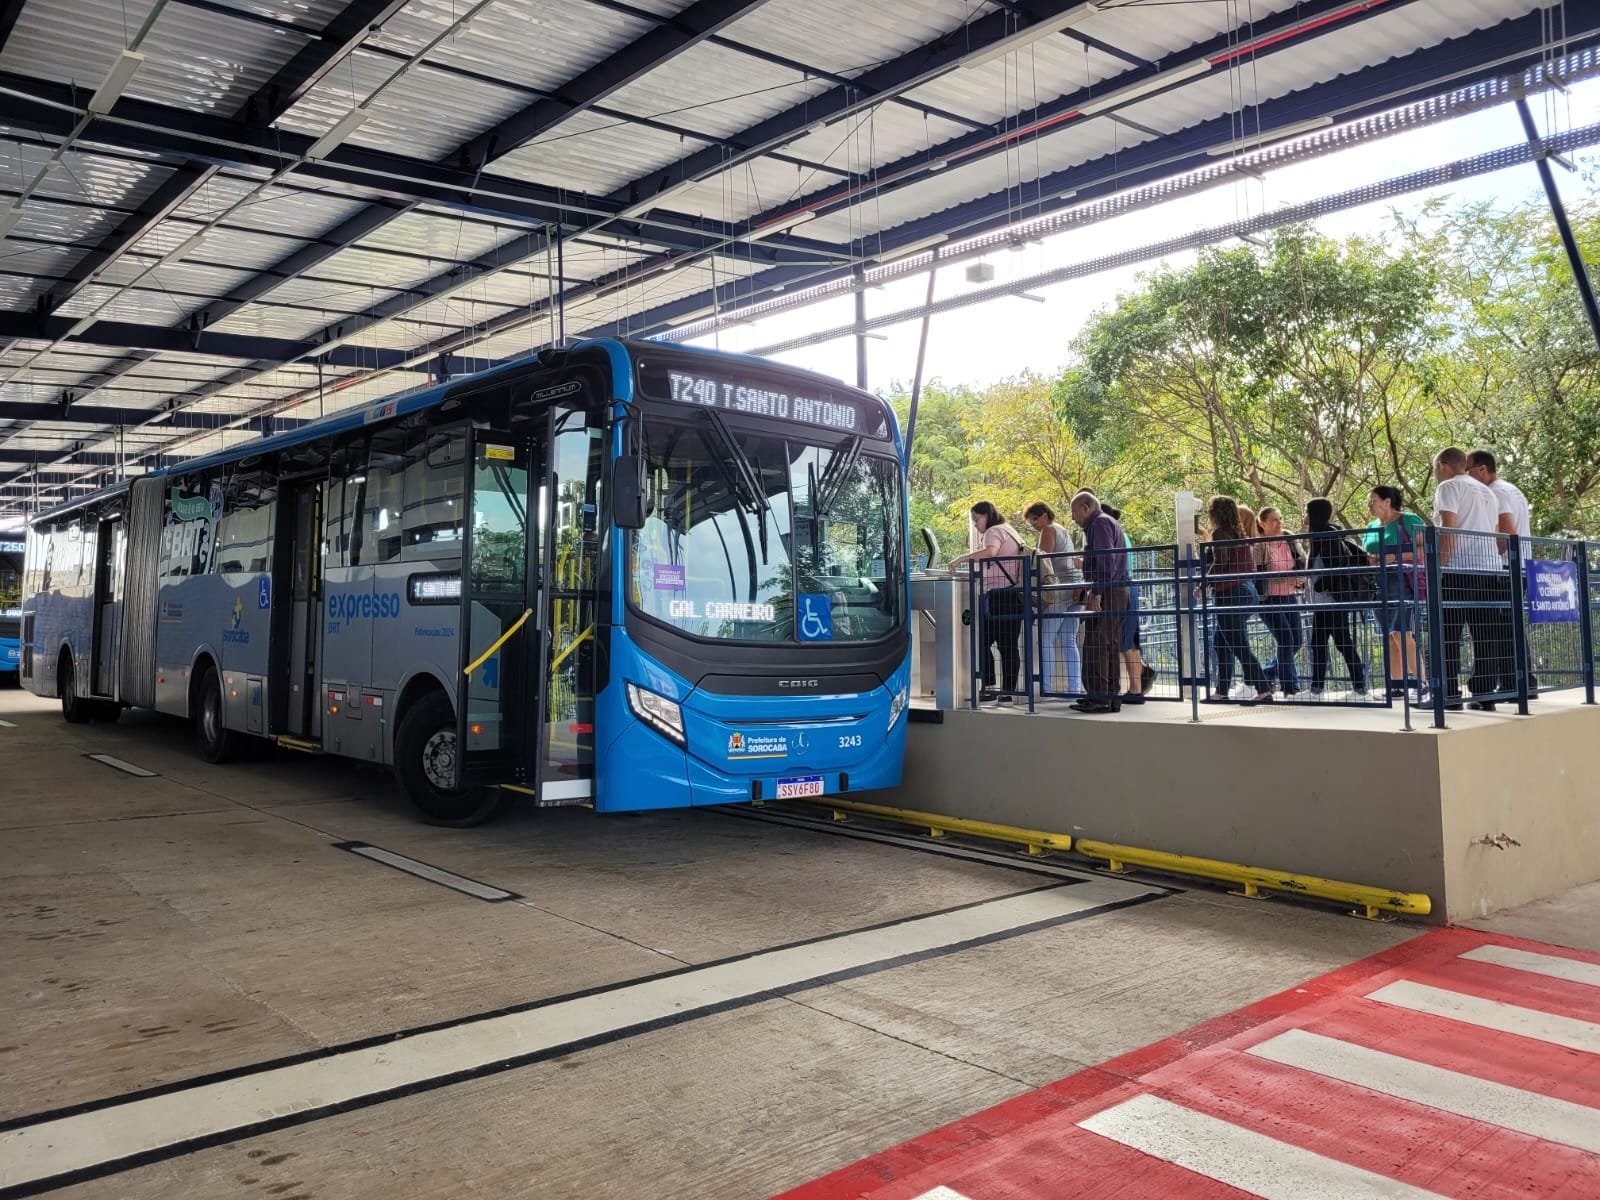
(1491, 1014)
(1539, 964)
(1239, 1157)
(1451, 1091)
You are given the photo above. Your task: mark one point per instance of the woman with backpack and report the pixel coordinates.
(1000, 563)
(1338, 578)
(1229, 563)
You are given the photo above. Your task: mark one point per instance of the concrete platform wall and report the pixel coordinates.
(1370, 806)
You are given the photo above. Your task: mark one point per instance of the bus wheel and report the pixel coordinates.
(74, 709)
(425, 764)
(218, 743)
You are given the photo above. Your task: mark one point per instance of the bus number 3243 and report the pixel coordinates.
(848, 741)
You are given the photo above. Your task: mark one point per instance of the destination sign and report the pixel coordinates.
(768, 396)
(12, 547)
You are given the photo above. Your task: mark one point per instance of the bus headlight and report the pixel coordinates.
(663, 715)
(898, 705)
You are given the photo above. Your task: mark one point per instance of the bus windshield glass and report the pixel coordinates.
(788, 536)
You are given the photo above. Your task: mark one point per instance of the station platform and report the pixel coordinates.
(266, 980)
(1494, 811)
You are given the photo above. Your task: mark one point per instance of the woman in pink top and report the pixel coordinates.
(1280, 597)
(1000, 560)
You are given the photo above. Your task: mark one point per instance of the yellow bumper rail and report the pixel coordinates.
(1253, 879)
(1036, 840)
(1370, 900)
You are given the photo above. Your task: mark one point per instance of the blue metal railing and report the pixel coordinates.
(1354, 622)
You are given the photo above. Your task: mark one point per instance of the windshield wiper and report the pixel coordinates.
(834, 477)
(745, 479)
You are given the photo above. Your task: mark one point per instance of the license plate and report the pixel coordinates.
(800, 785)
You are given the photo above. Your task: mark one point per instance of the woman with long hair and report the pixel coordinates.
(1229, 565)
(999, 560)
(1335, 584)
(1281, 598)
(1060, 663)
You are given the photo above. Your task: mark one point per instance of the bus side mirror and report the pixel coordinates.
(630, 492)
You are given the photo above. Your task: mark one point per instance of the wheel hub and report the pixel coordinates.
(439, 760)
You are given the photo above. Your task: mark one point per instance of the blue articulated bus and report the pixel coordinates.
(620, 574)
(11, 557)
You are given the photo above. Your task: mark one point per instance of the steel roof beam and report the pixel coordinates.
(50, 108)
(109, 417)
(900, 74)
(1007, 136)
(10, 10)
(305, 70)
(1457, 62)
(679, 33)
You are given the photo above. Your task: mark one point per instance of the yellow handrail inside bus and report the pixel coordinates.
(498, 642)
(571, 646)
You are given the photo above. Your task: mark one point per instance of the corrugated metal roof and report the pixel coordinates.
(532, 43)
(425, 115)
(199, 58)
(813, 31)
(99, 178)
(715, 90)
(206, 62)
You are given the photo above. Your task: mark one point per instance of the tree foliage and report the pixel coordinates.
(1307, 367)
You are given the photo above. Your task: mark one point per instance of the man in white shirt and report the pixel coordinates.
(1471, 573)
(1515, 517)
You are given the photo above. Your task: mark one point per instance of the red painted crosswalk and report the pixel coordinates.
(1456, 1065)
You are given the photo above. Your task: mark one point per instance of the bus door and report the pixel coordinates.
(110, 562)
(495, 701)
(297, 617)
(569, 509)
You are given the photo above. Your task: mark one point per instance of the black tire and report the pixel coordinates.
(107, 712)
(217, 743)
(75, 710)
(424, 756)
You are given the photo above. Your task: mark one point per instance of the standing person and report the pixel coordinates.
(1393, 543)
(1060, 664)
(1470, 573)
(1001, 601)
(1228, 557)
(1332, 560)
(1515, 517)
(1141, 678)
(1282, 598)
(1105, 570)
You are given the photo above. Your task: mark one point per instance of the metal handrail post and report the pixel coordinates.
(1430, 541)
(1586, 622)
(1027, 627)
(1519, 625)
(1188, 606)
(974, 622)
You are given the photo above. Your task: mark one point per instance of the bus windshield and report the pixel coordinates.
(769, 537)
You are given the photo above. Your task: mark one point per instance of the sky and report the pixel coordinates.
(986, 342)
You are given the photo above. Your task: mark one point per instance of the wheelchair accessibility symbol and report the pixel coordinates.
(816, 618)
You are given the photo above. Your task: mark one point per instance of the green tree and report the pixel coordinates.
(1521, 366)
(1274, 376)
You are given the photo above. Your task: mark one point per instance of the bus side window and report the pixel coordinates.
(244, 527)
(434, 486)
(386, 468)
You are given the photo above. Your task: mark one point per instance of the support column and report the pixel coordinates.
(1580, 273)
(861, 327)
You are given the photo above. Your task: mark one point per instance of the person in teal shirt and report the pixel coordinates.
(1394, 538)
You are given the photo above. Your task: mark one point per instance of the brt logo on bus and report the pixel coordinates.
(348, 606)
